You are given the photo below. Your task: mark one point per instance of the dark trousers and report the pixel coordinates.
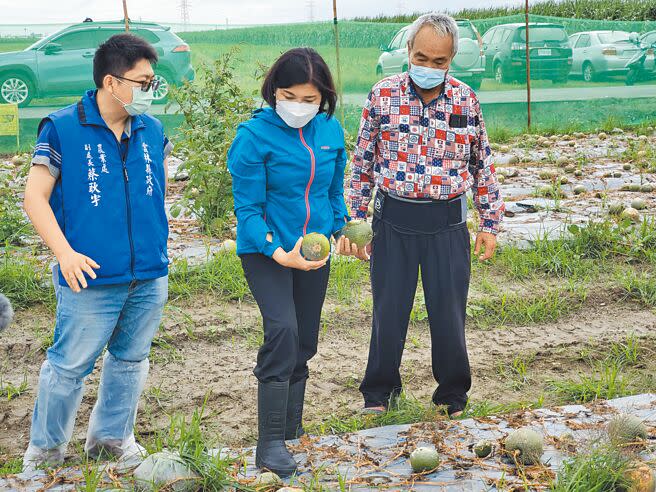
(290, 302)
(407, 237)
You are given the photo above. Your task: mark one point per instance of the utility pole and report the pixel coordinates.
(184, 13)
(125, 15)
(528, 71)
(310, 6)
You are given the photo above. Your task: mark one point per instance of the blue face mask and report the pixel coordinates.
(426, 77)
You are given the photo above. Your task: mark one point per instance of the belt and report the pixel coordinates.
(420, 216)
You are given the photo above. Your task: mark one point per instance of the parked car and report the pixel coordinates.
(648, 38)
(505, 52)
(468, 64)
(62, 64)
(602, 53)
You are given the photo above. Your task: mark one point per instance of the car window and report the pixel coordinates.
(613, 37)
(539, 34)
(649, 38)
(497, 36)
(150, 36)
(404, 39)
(102, 35)
(488, 36)
(573, 39)
(583, 41)
(77, 40)
(505, 35)
(466, 31)
(396, 42)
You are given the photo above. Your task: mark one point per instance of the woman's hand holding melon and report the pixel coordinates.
(294, 259)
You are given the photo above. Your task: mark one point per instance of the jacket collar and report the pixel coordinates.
(408, 89)
(89, 114)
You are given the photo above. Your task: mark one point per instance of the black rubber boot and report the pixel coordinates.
(271, 453)
(294, 426)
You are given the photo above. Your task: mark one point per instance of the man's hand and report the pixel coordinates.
(346, 248)
(73, 265)
(488, 242)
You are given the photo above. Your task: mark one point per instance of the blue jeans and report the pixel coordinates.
(124, 318)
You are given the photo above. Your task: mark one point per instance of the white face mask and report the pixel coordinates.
(296, 114)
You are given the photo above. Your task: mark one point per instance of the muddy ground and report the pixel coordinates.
(207, 347)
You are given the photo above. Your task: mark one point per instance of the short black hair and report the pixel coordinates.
(301, 66)
(119, 54)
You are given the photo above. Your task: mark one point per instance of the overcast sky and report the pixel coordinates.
(217, 11)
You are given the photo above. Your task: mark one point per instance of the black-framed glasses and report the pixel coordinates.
(145, 85)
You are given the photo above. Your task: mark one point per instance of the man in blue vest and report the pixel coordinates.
(95, 194)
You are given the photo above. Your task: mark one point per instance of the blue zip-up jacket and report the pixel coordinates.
(110, 203)
(286, 181)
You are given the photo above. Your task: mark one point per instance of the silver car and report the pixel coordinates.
(468, 64)
(598, 53)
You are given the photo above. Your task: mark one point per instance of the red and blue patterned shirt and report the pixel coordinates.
(414, 150)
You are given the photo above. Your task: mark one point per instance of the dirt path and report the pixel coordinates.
(209, 347)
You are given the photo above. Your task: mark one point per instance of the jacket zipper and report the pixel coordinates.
(126, 181)
(307, 188)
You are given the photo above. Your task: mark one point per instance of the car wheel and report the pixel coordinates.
(16, 89)
(162, 92)
(499, 74)
(588, 72)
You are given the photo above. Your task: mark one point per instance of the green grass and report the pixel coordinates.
(599, 469)
(25, 280)
(405, 409)
(188, 439)
(522, 309)
(11, 466)
(611, 373)
(639, 286)
(347, 278)
(604, 10)
(222, 274)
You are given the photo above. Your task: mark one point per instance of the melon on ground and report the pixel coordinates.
(526, 445)
(625, 429)
(424, 459)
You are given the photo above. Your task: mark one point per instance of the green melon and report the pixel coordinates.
(315, 247)
(646, 188)
(639, 204)
(268, 481)
(616, 208)
(626, 429)
(579, 189)
(632, 214)
(424, 459)
(641, 478)
(527, 444)
(483, 448)
(229, 245)
(358, 232)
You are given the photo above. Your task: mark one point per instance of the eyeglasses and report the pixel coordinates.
(145, 85)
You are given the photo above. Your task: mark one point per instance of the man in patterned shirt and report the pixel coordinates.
(422, 144)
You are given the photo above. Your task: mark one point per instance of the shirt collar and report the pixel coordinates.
(89, 114)
(407, 88)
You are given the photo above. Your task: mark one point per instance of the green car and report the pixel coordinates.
(62, 64)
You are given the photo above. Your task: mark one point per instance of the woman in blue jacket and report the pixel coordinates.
(287, 165)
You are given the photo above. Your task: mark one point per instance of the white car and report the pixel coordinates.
(598, 53)
(468, 64)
